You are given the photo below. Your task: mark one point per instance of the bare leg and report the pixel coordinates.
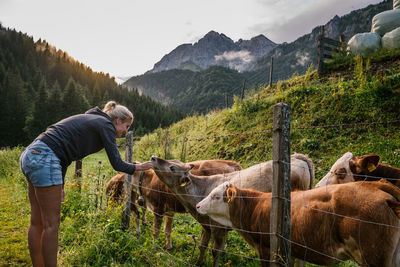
(169, 218)
(49, 200)
(35, 230)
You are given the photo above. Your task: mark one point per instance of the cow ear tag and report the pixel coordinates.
(229, 195)
(184, 182)
(371, 167)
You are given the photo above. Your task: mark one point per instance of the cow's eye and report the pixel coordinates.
(217, 197)
(172, 168)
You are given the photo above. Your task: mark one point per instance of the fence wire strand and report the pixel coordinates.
(364, 177)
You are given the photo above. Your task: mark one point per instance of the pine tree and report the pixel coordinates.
(73, 101)
(38, 121)
(55, 108)
(97, 97)
(14, 111)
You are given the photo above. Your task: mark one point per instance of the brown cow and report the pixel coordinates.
(350, 168)
(163, 202)
(359, 221)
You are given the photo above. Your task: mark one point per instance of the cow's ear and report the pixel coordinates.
(370, 162)
(230, 193)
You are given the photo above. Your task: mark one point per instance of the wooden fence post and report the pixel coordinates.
(321, 50)
(78, 173)
(98, 186)
(280, 245)
(166, 151)
(343, 44)
(226, 100)
(244, 86)
(128, 182)
(183, 150)
(271, 71)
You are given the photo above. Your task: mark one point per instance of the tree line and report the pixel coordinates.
(40, 85)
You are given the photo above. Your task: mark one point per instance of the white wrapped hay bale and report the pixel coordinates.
(364, 43)
(391, 39)
(396, 4)
(386, 21)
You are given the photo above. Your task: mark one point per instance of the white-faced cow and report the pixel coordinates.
(190, 189)
(350, 168)
(359, 221)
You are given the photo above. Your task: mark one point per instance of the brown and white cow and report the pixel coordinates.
(359, 221)
(350, 168)
(190, 189)
(162, 201)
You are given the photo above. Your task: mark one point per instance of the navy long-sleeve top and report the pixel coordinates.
(77, 136)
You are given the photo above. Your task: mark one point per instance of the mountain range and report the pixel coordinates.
(216, 49)
(180, 73)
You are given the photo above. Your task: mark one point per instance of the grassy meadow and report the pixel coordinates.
(354, 108)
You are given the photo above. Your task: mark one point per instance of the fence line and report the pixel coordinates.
(347, 125)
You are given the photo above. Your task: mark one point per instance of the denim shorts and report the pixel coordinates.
(40, 165)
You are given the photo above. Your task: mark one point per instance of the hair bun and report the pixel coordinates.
(110, 105)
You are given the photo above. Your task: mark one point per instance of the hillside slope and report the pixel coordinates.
(353, 109)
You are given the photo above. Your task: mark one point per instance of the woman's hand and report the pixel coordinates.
(144, 166)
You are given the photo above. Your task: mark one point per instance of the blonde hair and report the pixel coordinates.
(114, 111)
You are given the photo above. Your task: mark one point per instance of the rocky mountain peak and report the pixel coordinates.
(216, 49)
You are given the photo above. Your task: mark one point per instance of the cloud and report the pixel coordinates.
(301, 16)
(243, 55)
(238, 60)
(302, 58)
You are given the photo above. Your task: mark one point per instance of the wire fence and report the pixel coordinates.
(97, 191)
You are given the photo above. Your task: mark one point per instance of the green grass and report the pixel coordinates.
(14, 212)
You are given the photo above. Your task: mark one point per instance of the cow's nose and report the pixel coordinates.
(153, 158)
(198, 207)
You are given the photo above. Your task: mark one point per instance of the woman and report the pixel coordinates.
(44, 164)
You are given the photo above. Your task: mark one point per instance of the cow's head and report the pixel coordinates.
(216, 205)
(173, 173)
(350, 168)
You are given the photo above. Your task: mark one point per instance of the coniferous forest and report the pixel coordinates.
(39, 85)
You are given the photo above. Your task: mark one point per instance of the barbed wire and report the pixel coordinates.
(306, 247)
(345, 125)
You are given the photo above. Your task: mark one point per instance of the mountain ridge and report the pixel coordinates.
(216, 49)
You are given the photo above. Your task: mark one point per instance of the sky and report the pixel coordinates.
(127, 37)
